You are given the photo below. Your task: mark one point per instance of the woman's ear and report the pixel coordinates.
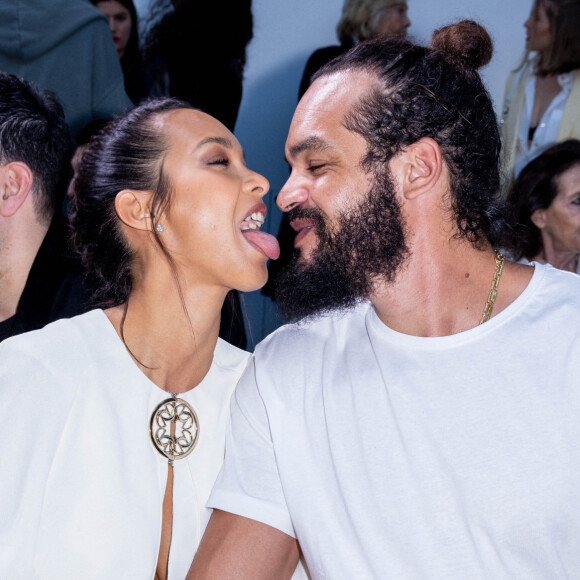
(538, 218)
(133, 208)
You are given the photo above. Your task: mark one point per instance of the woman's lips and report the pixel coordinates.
(265, 243)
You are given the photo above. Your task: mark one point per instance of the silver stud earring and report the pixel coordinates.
(159, 227)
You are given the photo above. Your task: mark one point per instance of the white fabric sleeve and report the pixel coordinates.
(249, 483)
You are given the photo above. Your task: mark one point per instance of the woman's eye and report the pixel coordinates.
(220, 161)
(576, 201)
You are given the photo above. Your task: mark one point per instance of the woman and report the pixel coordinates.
(166, 217)
(361, 19)
(545, 201)
(542, 98)
(122, 17)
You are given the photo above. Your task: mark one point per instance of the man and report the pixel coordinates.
(431, 432)
(37, 284)
(64, 47)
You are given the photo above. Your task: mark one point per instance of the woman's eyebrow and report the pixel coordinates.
(227, 143)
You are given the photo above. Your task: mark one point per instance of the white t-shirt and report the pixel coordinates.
(392, 456)
(81, 486)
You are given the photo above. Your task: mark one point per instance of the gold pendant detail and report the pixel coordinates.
(186, 433)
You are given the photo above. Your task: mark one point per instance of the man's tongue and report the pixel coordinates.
(266, 243)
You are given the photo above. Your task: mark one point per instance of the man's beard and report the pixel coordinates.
(367, 247)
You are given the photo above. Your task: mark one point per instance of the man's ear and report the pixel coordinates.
(538, 218)
(422, 164)
(15, 184)
(133, 208)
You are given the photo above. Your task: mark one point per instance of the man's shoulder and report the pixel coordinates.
(62, 341)
(557, 284)
(314, 334)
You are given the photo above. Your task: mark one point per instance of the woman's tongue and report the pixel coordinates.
(266, 243)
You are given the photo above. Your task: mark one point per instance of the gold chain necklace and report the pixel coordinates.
(499, 261)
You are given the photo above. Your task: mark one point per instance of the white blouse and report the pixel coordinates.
(81, 484)
(547, 130)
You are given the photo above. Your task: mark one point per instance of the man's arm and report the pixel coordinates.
(238, 548)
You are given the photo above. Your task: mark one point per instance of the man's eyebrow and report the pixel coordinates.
(227, 143)
(309, 144)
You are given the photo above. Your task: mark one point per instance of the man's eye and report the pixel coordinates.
(316, 166)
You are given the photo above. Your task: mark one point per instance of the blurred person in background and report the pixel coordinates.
(38, 281)
(122, 18)
(64, 47)
(361, 19)
(82, 140)
(545, 204)
(197, 52)
(542, 96)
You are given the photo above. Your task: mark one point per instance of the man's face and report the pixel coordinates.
(324, 155)
(348, 220)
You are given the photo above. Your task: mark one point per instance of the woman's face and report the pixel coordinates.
(120, 23)
(393, 21)
(560, 222)
(212, 225)
(538, 33)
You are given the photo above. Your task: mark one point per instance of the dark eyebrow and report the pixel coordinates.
(219, 140)
(309, 144)
(224, 141)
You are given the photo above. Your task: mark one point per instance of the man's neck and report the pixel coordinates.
(19, 246)
(443, 291)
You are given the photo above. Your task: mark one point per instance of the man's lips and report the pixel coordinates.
(302, 226)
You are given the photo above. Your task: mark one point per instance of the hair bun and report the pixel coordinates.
(466, 43)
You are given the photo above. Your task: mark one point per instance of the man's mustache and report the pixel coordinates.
(310, 213)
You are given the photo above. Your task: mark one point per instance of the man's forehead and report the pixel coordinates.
(325, 104)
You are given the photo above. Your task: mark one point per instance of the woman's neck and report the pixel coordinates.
(547, 88)
(567, 261)
(172, 338)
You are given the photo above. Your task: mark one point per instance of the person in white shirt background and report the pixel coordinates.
(542, 97)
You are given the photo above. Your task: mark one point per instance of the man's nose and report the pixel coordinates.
(291, 195)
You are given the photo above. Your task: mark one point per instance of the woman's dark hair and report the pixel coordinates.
(564, 55)
(131, 62)
(535, 188)
(127, 154)
(434, 92)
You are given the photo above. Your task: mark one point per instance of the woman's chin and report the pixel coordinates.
(255, 282)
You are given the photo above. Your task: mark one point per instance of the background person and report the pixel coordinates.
(122, 18)
(542, 96)
(39, 281)
(361, 19)
(166, 216)
(545, 203)
(64, 47)
(197, 52)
